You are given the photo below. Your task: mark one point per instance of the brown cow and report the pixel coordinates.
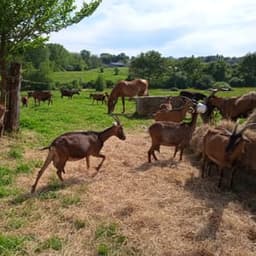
(99, 97)
(42, 96)
(69, 92)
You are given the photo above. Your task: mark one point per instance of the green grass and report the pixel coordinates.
(11, 245)
(86, 76)
(80, 114)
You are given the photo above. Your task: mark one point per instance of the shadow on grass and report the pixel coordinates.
(218, 199)
(172, 163)
(54, 187)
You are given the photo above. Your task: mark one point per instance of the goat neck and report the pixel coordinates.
(111, 131)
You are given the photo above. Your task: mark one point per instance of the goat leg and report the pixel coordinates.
(123, 101)
(233, 172)
(103, 159)
(88, 162)
(221, 176)
(40, 173)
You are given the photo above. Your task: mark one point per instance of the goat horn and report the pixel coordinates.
(246, 127)
(235, 128)
(116, 118)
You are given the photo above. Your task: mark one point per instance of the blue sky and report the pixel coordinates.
(172, 27)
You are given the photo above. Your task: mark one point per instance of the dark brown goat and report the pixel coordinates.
(74, 146)
(193, 95)
(69, 92)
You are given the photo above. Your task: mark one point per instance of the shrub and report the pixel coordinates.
(100, 84)
(236, 82)
(222, 84)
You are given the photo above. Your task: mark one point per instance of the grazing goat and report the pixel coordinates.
(69, 92)
(193, 95)
(24, 101)
(174, 115)
(99, 97)
(224, 148)
(42, 96)
(171, 134)
(2, 115)
(74, 146)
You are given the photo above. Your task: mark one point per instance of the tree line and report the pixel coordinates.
(162, 72)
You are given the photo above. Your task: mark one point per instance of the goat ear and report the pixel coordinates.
(246, 127)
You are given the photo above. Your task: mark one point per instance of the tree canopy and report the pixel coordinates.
(27, 23)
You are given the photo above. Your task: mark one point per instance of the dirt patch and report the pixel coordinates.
(162, 208)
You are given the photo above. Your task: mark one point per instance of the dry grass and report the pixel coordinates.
(162, 208)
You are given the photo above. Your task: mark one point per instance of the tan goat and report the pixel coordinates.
(235, 107)
(171, 134)
(223, 148)
(174, 115)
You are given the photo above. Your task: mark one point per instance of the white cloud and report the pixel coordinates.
(172, 27)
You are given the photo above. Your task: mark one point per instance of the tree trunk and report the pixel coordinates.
(3, 70)
(13, 98)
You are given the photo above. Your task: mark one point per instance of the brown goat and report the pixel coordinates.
(223, 148)
(171, 134)
(174, 115)
(235, 107)
(167, 105)
(74, 146)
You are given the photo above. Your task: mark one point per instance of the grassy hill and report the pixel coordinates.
(88, 75)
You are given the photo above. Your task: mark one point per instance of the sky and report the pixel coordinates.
(175, 28)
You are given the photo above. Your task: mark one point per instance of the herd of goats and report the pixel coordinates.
(221, 147)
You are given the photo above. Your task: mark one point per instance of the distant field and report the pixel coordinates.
(86, 76)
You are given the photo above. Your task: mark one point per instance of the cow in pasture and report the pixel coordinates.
(69, 92)
(41, 96)
(103, 97)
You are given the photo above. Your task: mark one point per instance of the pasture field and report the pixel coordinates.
(89, 75)
(130, 208)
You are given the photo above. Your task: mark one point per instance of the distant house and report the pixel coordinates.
(116, 64)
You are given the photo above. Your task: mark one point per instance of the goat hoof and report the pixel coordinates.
(33, 190)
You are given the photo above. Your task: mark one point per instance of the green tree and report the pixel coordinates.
(149, 65)
(193, 68)
(100, 83)
(28, 22)
(248, 69)
(59, 56)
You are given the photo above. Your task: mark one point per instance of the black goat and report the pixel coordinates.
(193, 95)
